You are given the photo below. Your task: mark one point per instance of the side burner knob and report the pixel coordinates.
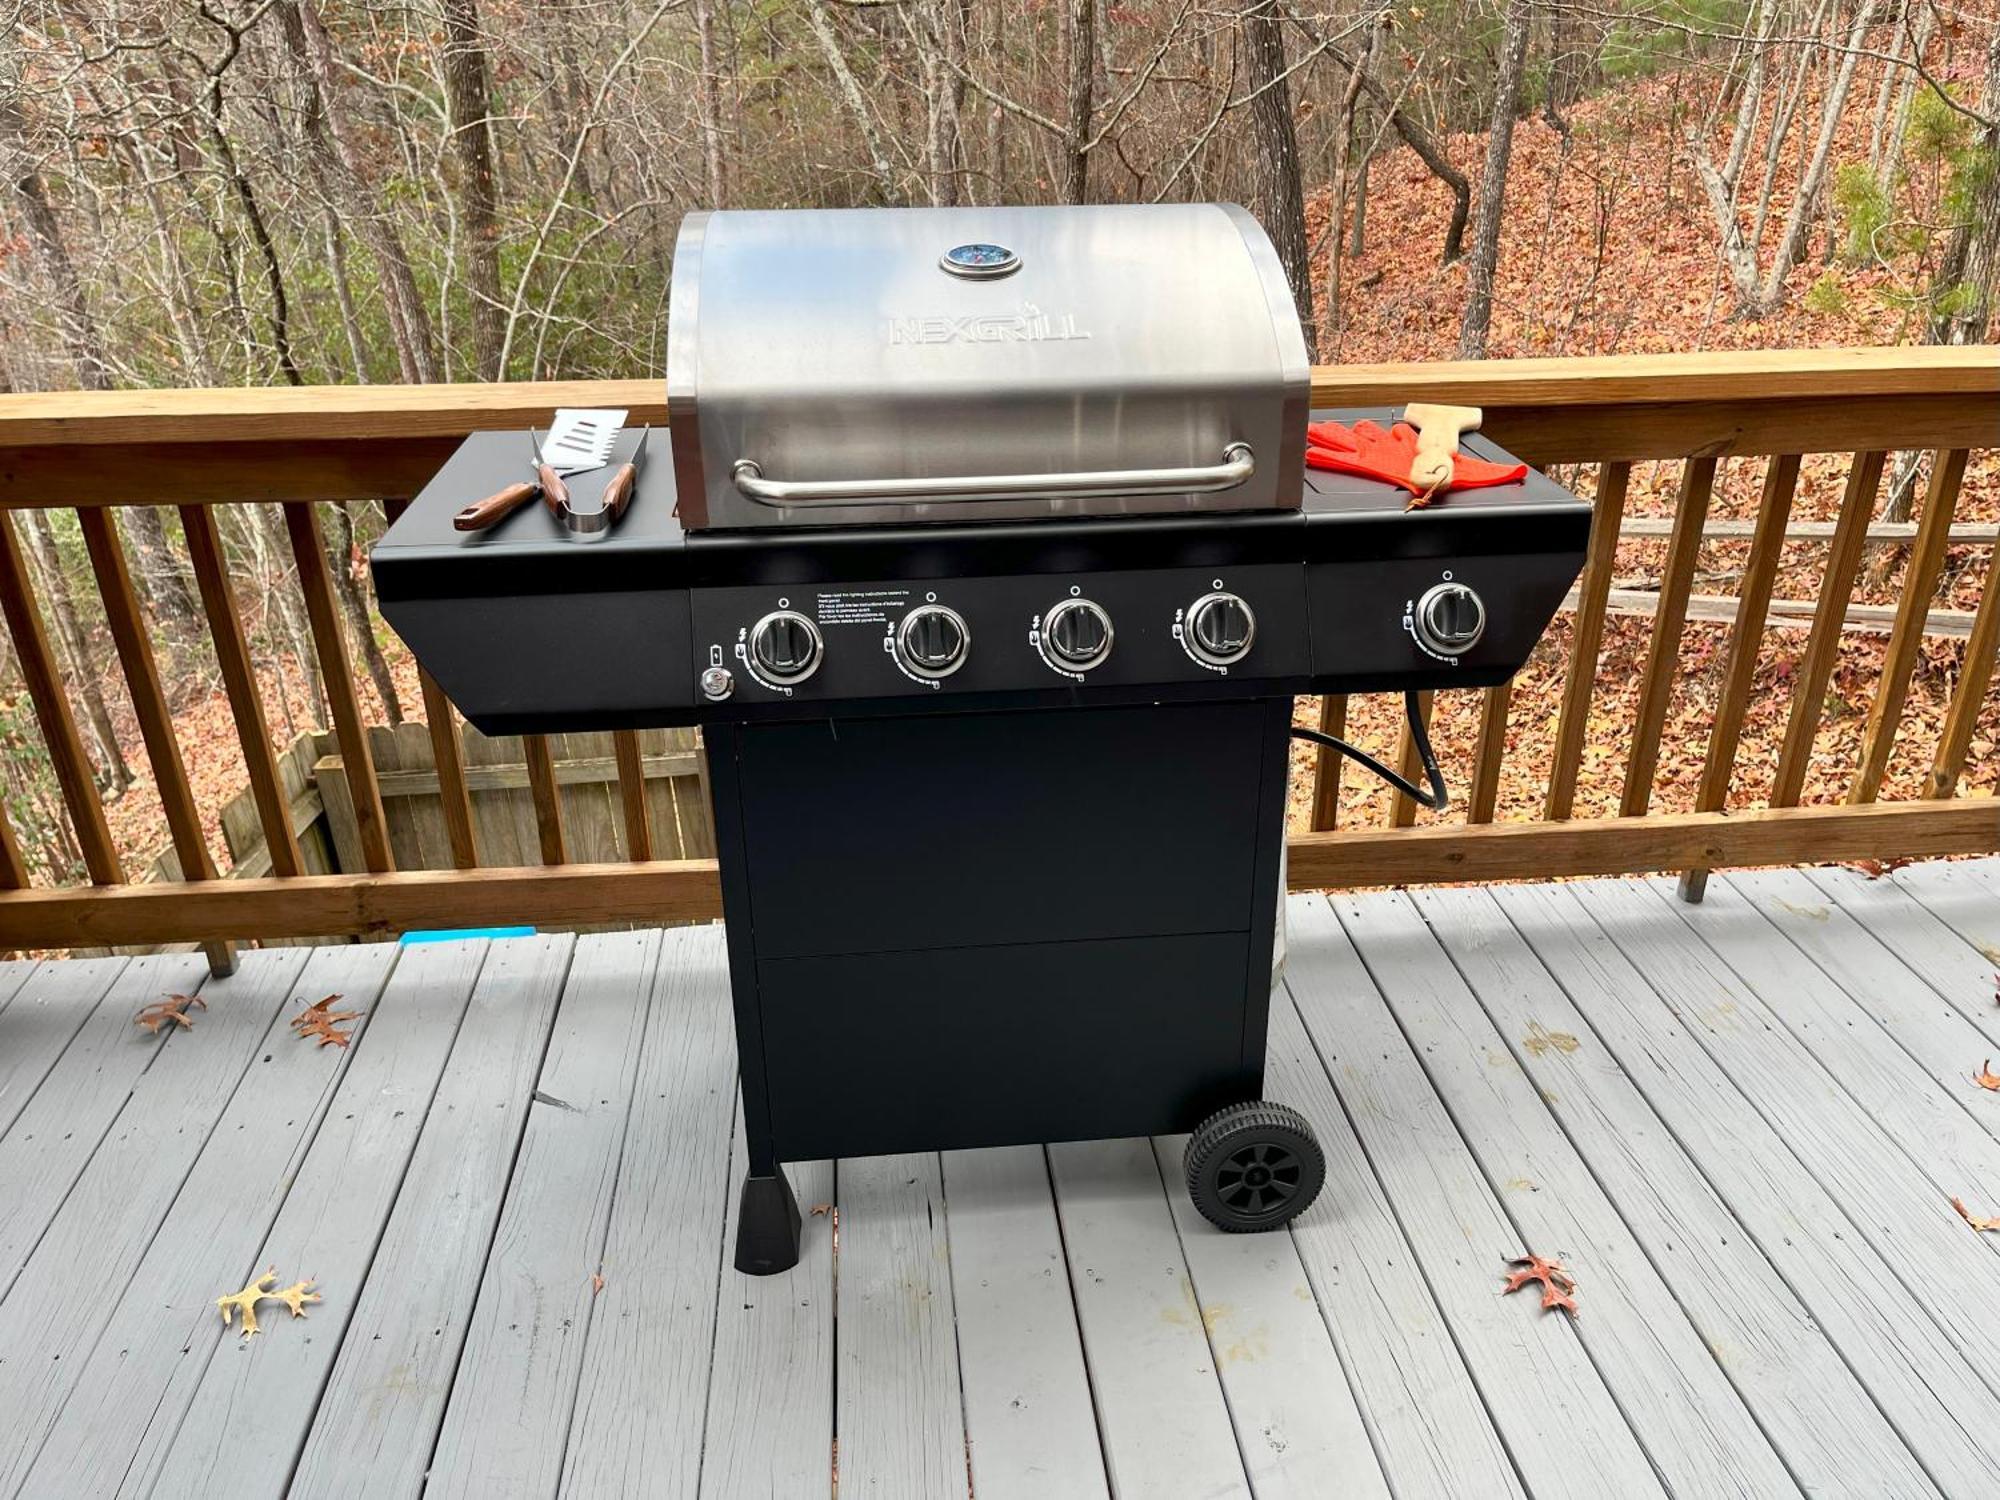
(932, 640)
(1220, 628)
(1450, 618)
(786, 647)
(1077, 633)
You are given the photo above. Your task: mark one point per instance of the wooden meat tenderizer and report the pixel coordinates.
(1438, 430)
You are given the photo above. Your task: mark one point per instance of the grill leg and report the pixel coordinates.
(767, 1227)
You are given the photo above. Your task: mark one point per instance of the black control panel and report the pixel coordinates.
(948, 637)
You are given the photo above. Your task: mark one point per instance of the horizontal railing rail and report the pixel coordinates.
(199, 449)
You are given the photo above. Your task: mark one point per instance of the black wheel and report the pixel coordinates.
(1253, 1166)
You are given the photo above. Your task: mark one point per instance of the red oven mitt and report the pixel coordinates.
(1367, 450)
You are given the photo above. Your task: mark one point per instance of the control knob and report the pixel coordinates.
(1220, 628)
(1077, 633)
(1450, 618)
(932, 641)
(786, 647)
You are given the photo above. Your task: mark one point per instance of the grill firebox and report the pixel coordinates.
(988, 561)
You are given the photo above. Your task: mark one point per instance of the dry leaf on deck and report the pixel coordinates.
(321, 1020)
(596, 1285)
(1984, 1226)
(295, 1297)
(1875, 869)
(820, 1208)
(173, 1008)
(1986, 1078)
(1558, 1286)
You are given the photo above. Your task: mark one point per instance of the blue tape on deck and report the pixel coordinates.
(458, 934)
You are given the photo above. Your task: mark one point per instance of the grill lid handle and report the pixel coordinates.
(1238, 464)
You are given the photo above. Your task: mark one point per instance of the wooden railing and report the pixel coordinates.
(196, 450)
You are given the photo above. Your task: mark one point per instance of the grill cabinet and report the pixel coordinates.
(993, 629)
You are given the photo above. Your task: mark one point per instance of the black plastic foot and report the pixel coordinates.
(767, 1228)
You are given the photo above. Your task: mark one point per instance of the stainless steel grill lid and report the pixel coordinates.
(884, 366)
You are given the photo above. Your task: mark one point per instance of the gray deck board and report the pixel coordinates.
(378, 1418)
(898, 1410)
(770, 1388)
(1161, 1413)
(1936, 1034)
(1298, 1429)
(510, 1405)
(1737, 1123)
(14, 973)
(128, 1396)
(643, 1390)
(101, 1234)
(1690, 1418)
(1549, 1402)
(1029, 1428)
(328, 1228)
(1938, 1403)
(56, 1000)
(1751, 1313)
(1425, 1420)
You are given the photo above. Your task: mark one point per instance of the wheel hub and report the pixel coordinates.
(1258, 1179)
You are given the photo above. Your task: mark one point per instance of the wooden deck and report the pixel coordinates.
(1741, 1125)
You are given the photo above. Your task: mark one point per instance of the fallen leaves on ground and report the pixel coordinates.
(295, 1297)
(819, 1209)
(1984, 1226)
(596, 1284)
(1875, 869)
(173, 1008)
(321, 1020)
(1986, 1078)
(1558, 1286)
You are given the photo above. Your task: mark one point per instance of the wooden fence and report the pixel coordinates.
(200, 449)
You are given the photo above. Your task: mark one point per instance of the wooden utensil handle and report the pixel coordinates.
(555, 494)
(618, 493)
(495, 507)
(1439, 428)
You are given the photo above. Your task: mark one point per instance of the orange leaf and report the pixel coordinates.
(321, 1020)
(1986, 1078)
(596, 1285)
(1558, 1286)
(1984, 1226)
(1875, 869)
(173, 1008)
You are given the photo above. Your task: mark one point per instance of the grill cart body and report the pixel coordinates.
(999, 766)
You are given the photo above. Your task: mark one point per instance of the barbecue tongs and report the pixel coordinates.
(548, 484)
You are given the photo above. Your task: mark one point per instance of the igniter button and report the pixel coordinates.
(717, 683)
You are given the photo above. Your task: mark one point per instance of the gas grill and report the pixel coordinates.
(989, 562)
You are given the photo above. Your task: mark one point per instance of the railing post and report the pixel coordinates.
(1767, 546)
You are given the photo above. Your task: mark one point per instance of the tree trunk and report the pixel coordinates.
(86, 676)
(1791, 244)
(166, 587)
(472, 146)
(1478, 320)
(1343, 145)
(850, 93)
(338, 163)
(1280, 196)
(708, 101)
(1963, 289)
(340, 555)
(1080, 61)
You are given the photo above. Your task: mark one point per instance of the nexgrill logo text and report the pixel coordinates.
(1029, 326)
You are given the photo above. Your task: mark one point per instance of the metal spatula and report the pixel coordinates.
(580, 438)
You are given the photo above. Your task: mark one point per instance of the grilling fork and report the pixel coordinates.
(502, 503)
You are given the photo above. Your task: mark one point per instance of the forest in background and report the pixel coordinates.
(271, 191)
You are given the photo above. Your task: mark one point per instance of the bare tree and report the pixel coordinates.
(1280, 195)
(471, 141)
(708, 98)
(1478, 319)
(1080, 57)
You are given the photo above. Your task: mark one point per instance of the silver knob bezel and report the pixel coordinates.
(910, 663)
(772, 674)
(1192, 636)
(1421, 619)
(1072, 606)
